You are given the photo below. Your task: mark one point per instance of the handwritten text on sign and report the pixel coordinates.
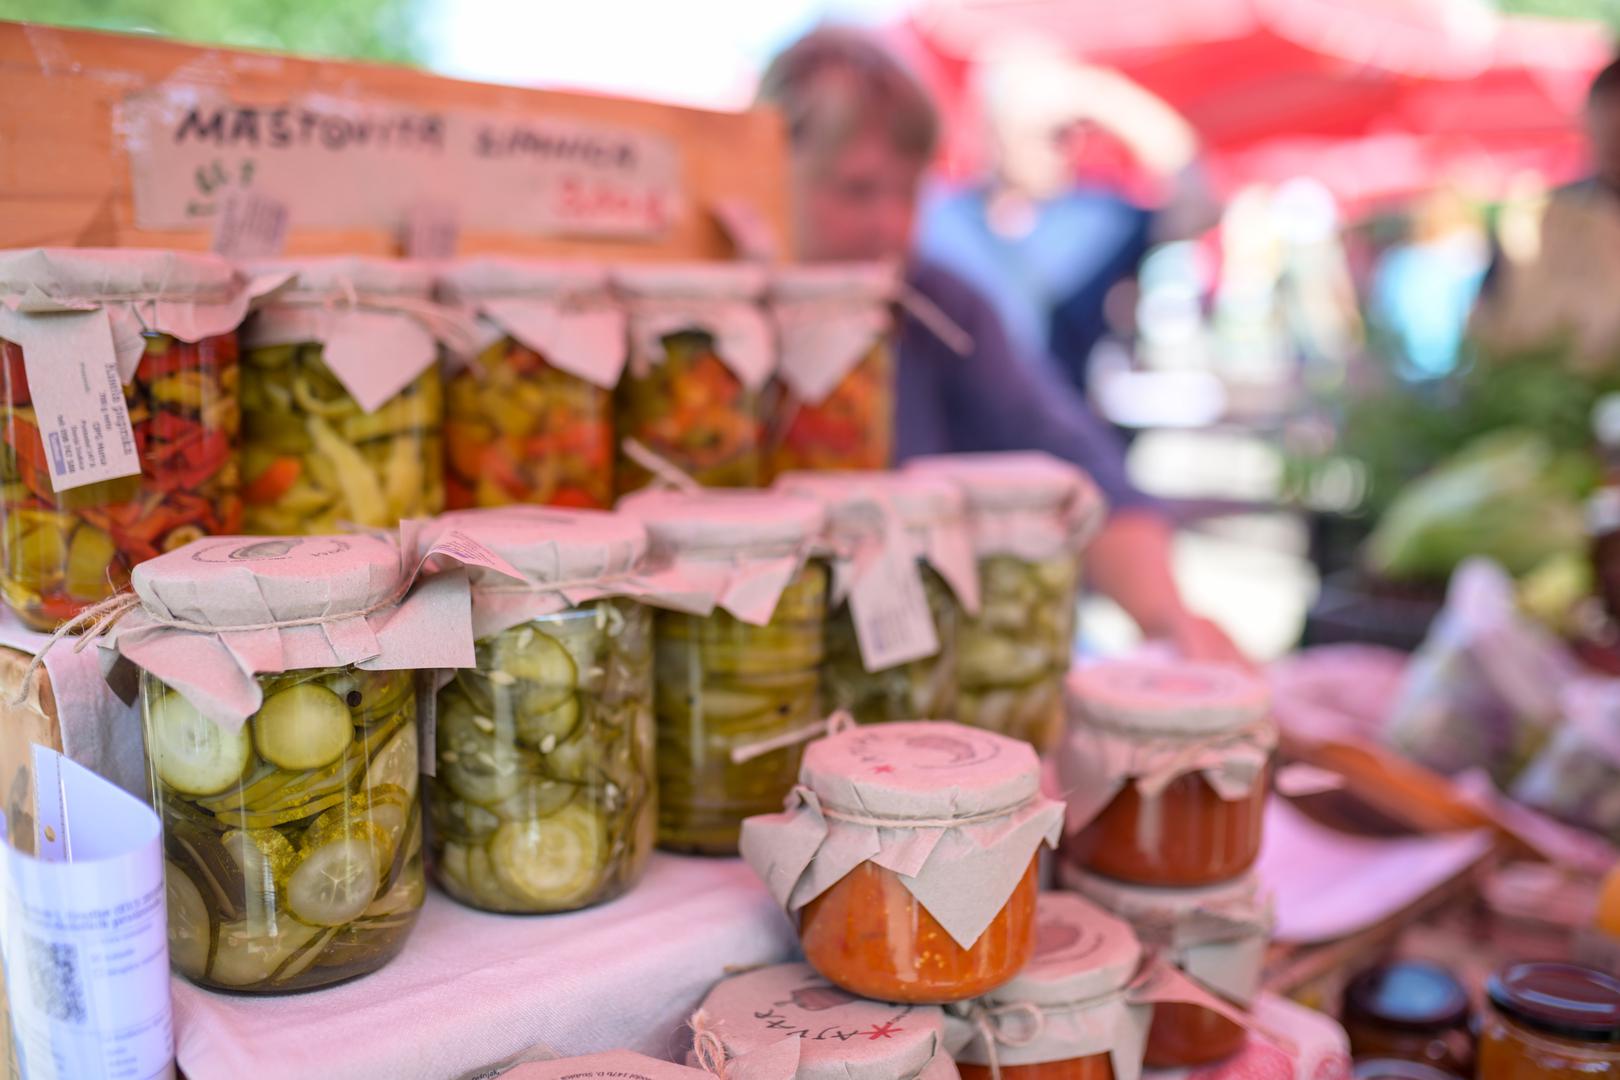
(341, 164)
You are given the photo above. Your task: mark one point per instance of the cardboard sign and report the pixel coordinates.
(339, 163)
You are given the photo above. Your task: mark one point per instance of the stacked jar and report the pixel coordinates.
(529, 413)
(342, 400)
(1164, 769)
(908, 857)
(1031, 516)
(288, 796)
(118, 377)
(903, 575)
(736, 674)
(832, 405)
(701, 352)
(542, 798)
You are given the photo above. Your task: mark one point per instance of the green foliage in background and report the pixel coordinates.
(359, 29)
(1607, 11)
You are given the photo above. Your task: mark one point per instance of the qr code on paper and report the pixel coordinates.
(53, 972)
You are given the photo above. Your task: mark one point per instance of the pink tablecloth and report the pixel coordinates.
(471, 989)
(1320, 1049)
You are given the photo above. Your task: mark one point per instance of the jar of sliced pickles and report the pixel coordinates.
(701, 351)
(288, 797)
(1166, 767)
(832, 405)
(542, 798)
(908, 856)
(736, 683)
(1031, 516)
(529, 414)
(342, 400)
(903, 573)
(118, 381)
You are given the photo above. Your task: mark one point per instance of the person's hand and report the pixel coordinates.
(1198, 638)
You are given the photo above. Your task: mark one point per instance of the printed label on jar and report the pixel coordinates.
(72, 370)
(893, 624)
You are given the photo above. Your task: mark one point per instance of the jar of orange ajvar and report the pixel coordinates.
(908, 854)
(1164, 769)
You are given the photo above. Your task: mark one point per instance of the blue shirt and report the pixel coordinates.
(990, 399)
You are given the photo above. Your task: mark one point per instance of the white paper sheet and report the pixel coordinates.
(1372, 878)
(84, 934)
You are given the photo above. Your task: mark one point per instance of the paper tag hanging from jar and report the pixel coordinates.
(888, 604)
(78, 398)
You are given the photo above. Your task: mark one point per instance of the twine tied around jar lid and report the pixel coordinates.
(836, 724)
(707, 1047)
(800, 791)
(989, 1021)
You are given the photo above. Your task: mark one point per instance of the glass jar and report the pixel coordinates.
(62, 551)
(700, 353)
(1166, 765)
(1067, 1013)
(1575, 774)
(294, 845)
(867, 512)
(542, 798)
(1030, 516)
(736, 691)
(1548, 1022)
(1216, 935)
(529, 417)
(1409, 1009)
(833, 406)
(869, 789)
(342, 401)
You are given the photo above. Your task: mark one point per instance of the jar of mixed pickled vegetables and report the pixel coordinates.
(1165, 766)
(701, 351)
(542, 797)
(1031, 516)
(832, 405)
(833, 1035)
(736, 683)
(903, 573)
(1216, 935)
(288, 798)
(342, 401)
(529, 413)
(1069, 1015)
(960, 808)
(118, 381)
(1550, 1022)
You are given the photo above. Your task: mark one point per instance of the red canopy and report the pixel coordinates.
(1374, 97)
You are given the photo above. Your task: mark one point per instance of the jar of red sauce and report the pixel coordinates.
(1069, 1014)
(1409, 1009)
(1216, 935)
(1550, 1022)
(908, 855)
(835, 1035)
(1164, 767)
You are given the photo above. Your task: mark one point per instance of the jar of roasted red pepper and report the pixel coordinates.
(1164, 767)
(832, 406)
(788, 1022)
(908, 855)
(701, 352)
(529, 414)
(119, 386)
(1550, 1022)
(1216, 935)
(1070, 1014)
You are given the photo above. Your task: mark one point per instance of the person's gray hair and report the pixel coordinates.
(836, 82)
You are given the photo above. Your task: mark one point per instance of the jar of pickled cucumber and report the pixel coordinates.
(736, 680)
(1031, 516)
(529, 414)
(1165, 765)
(903, 573)
(832, 405)
(908, 857)
(342, 400)
(701, 351)
(288, 798)
(118, 381)
(542, 797)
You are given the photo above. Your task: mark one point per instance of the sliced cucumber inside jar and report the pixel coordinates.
(337, 879)
(307, 726)
(190, 928)
(191, 753)
(552, 860)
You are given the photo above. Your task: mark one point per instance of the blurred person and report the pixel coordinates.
(863, 131)
(1424, 287)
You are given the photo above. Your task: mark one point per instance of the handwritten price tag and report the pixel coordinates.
(890, 609)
